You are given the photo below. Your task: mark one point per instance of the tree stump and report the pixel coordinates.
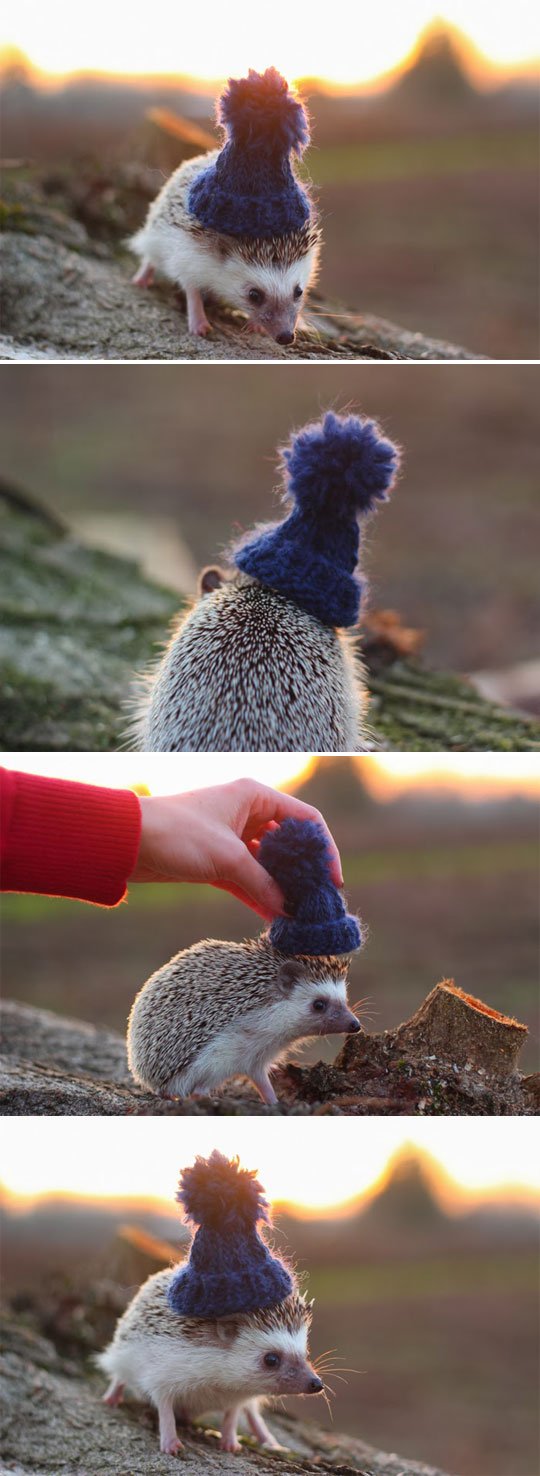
(455, 1026)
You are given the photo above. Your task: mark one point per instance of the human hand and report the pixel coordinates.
(213, 835)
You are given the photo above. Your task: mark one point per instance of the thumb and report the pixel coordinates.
(251, 877)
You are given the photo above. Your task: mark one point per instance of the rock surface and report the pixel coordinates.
(66, 290)
(53, 1423)
(77, 623)
(59, 1067)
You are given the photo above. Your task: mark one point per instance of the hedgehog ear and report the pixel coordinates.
(227, 1330)
(289, 975)
(211, 578)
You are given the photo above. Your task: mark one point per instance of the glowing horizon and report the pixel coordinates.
(494, 38)
(472, 775)
(140, 1159)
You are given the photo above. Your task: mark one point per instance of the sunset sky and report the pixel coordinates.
(302, 40)
(473, 775)
(327, 1163)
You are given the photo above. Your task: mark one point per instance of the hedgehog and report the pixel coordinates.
(223, 1331)
(235, 222)
(265, 660)
(219, 1010)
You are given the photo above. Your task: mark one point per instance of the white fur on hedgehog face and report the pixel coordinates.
(269, 1361)
(271, 296)
(317, 1007)
(260, 1361)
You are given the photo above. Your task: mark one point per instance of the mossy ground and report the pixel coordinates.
(78, 624)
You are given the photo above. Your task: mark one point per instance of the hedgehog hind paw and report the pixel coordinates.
(144, 276)
(114, 1394)
(265, 1089)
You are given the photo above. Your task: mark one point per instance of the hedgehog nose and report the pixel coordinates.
(315, 1385)
(285, 338)
(354, 1027)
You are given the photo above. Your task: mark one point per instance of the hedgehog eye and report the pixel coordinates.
(272, 1360)
(256, 296)
(319, 1005)
(297, 293)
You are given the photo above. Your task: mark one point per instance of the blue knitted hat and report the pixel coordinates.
(251, 190)
(297, 856)
(335, 471)
(230, 1269)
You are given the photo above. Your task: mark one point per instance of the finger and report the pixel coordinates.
(241, 896)
(245, 873)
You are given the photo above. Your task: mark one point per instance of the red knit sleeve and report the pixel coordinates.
(67, 840)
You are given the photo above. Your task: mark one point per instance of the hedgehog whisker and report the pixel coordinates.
(328, 1405)
(368, 1014)
(324, 1362)
(320, 313)
(344, 1369)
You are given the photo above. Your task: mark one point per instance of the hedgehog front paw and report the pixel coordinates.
(144, 276)
(114, 1394)
(231, 1445)
(197, 319)
(171, 1447)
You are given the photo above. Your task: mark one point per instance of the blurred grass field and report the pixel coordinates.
(450, 1348)
(438, 235)
(394, 158)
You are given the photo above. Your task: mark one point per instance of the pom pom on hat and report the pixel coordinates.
(297, 856)
(217, 1192)
(259, 108)
(250, 189)
(340, 467)
(230, 1269)
(336, 471)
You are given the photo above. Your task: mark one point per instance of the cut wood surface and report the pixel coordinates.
(460, 1028)
(77, 624)
(58, 1066)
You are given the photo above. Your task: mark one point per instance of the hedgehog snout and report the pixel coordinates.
(277, 317)
(296, 1376)
(315, 1385)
